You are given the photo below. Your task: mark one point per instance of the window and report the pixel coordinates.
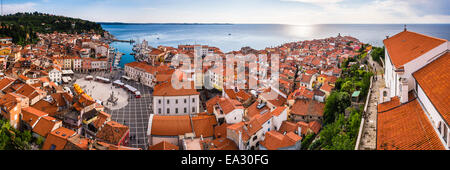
(159, 101)
(168, 101)
(168, 110)
(176, 101)
(53, 147)
(193, 109)
(185, 110)
(254, 138)
(185, 100)
(176, 110)
(268, 130)
(445, 133)
(159, 110)
(193, 100)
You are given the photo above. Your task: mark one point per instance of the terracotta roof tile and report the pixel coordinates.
(58, 138)
(30, 115)
(77, 142)
(406, 128)
(307, 108)
(180, 125)
(221, 130)
(433, 79)
(315, 126)
(253, 110)
(166, 89)
(288, 127)
(164, 146)
(275, 140)
(171, 125)
(228, 105)
(278, 111)
(223, 144)
(143, 66)
(204, 125)
(6, 82)
(46, 125)
(102, 117)
(112, 132)
(407, 46)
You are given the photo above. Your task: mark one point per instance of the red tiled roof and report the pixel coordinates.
(433, 79)
(315, 126)
(204, 125)
(252, 110)
(275, 140)
(5, 82)
(30, 115)
(171, 125)
(180, 125)
(112, 132)
(77, 142)
(407, 46)
(221, 130)
(301, 92)
(166, 89)
(228, 105)
(46, 125)
(143, 66)
(211, 102)
(278, 111)
(58, 138)
(102, 117)
(405, 128)
(307, 108)
(223, 144)
(164, 146)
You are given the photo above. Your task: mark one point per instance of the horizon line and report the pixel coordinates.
(218, 23)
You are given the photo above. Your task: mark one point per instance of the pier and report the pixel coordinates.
(117, 40)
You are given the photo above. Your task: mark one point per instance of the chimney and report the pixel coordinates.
(403, 90)
(241, 147)
(405, 28)
(387, 36)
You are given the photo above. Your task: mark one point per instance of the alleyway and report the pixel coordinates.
(368, 139)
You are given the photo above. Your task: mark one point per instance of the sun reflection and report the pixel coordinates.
(300, 31)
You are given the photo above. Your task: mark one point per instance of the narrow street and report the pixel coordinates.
(369, 136)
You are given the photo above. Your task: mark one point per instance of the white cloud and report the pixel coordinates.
(316, 1)
(14, 8)
(378, 11)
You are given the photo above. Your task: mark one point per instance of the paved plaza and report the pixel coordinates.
(102, 91)
(135, 114)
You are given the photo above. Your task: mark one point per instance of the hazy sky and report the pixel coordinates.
(296, 12)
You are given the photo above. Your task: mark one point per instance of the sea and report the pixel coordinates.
(230, 37)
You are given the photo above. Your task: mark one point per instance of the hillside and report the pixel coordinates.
(22, 27)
